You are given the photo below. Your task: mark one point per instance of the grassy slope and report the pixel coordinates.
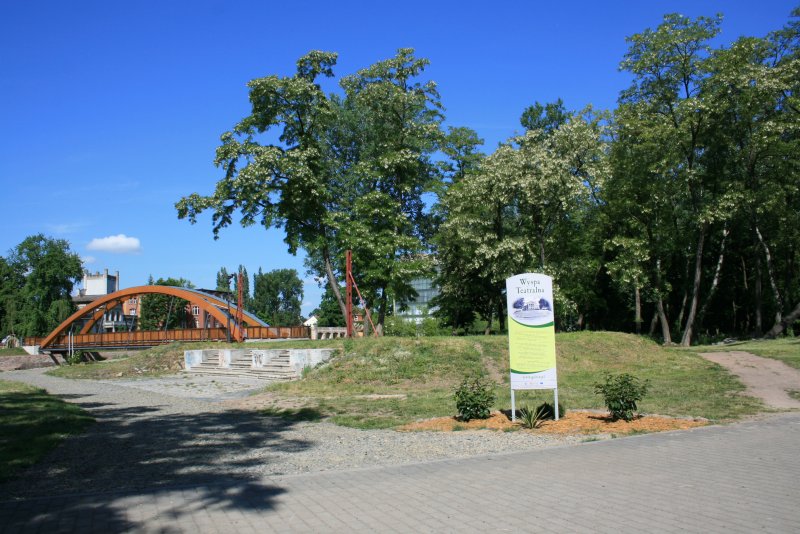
(17, 351)
(785, 349)
(31, 423)
(416, 376)
(426, 370)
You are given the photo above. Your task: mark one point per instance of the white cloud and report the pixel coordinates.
(88, 259)
(118, 244)
(65, 228)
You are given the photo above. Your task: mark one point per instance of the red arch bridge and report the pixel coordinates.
(76, 331)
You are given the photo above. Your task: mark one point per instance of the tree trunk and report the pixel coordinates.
(381, 312)
(686, 340)
(637, 297)
(541, 249)
(715, 282)
(662, 317)
(488, 329)
(333, 282)
(501, 317)
(759, 328)
(771, 273)
(784, 323)
(653, 323)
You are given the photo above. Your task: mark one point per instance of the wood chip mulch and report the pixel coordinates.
(574, 422)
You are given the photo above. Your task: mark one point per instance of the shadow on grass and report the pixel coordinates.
(133, 457)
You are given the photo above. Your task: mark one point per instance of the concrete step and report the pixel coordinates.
(218, 371)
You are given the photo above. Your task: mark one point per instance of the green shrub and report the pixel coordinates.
(474, 398)
(75, 358)
(548, 410)
(621, 393)
(531, 418)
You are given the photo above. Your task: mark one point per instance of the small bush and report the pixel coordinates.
(474, 398)
(548, 411)
(621, 393)
(531, 418)
(75, 358)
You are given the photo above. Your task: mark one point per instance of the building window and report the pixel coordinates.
(195, 310)
(132, 301)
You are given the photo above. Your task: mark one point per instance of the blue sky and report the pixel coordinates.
(111, 111)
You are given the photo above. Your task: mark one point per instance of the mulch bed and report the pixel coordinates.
(574, 422)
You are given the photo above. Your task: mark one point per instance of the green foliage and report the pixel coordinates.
(223, 280)
(165, 312)
(621, 393)
(246, 300)
(278, 295)
(531, 418)
(548, 411)
(36, 281)
(349, 171)
(328, 312)
(474, 398)
(399, 327)
(75, 358)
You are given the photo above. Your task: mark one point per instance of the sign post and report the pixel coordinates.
(531, 335)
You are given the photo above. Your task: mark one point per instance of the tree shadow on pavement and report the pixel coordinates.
(132, 456)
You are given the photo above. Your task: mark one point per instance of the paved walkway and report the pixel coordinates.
(738, 478)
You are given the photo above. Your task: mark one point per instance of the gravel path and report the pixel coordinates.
(765, 378)
(175, 431)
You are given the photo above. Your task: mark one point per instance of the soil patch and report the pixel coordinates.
(25, 361)
(574, 422)
(767, 379)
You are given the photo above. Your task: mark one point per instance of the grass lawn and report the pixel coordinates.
(391, 381)
(16, 351)
(384, 382)
(31, 423)
(785, 349)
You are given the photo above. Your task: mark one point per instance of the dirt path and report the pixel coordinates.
(765, 378)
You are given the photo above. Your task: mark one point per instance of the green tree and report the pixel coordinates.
(165, 312)
(328, 313)
(223, 280)
(347, 172)
(526, 208)
(545, 118)
(666, 104)
(292, 183)
(46, 271)
(246, 299)
(11, 280)
(278, 295)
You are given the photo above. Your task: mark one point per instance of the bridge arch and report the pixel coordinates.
(211, 304)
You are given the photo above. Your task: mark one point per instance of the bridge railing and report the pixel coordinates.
(277, 332)
(149, 338)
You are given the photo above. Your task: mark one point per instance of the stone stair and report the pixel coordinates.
(277, 369)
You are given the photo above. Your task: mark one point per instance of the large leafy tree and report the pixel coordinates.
(346, 171)
(165, 312)
(388, 225)
(666, 103)
(223, 280)
(44, 271)
(526, 208)
(277, 297)
(288, 182)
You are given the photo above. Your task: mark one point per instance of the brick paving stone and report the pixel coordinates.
(738, 478)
